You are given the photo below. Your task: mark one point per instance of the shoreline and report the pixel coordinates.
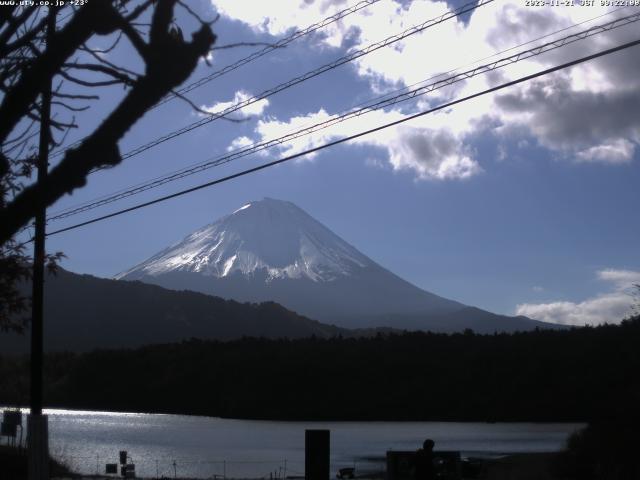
(59, 410)
(523, 466)
(520, 466)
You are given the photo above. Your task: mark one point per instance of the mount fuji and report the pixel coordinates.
(271, 250)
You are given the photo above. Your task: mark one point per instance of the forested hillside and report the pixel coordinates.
(83, 313)
(572, 375)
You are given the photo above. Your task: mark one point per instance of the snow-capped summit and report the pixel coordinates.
(271, 250)
(271, 236)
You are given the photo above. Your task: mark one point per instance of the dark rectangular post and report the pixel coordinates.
(316, 454)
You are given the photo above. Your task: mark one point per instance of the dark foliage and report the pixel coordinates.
(574, 375)
(604, 450)
(15, 271)
(13, 462)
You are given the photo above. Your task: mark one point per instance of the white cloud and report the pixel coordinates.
(255, 108)
(590, 113)
(270, 128)
(622, 278)
(240, 142)
(431, 153)
(609, 307)
(617, 151)
(279, 17)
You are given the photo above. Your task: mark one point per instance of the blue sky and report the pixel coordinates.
(520, 202)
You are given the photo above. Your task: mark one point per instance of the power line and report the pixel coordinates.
(307, 76)
(311, 74)
(352, 137)
(377, 105)
(283, 42)
(372, 107)
(211, 162)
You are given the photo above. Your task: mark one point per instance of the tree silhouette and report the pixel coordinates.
(28, 63)
(635, 308)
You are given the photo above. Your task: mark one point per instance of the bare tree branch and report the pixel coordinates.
(14, 25)
(75, 96)
(108, 63)
(24, 40)
(71, 108)
(135, 39)
(206, 112)
(57, 143)
(196, 16)
(89, 83)
(122, 77)
(20, 136)
(139, 10)
(107, 50)
(169, 62)
(95, 17)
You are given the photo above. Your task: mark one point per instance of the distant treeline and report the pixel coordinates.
(568, 375)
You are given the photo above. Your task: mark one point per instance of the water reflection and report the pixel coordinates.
(203, 447)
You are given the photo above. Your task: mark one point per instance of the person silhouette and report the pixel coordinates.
(423, 462)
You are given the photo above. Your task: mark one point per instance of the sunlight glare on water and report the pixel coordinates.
(205, 446)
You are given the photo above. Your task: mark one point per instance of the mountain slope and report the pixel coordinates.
(84, 312)
(272, 250)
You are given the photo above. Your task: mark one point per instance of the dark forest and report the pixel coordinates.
(582, 374)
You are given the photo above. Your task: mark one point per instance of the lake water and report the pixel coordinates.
(203, 447)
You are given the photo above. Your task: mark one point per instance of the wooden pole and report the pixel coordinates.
(38, 434)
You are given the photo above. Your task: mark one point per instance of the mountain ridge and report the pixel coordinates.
(273, 250)
(83, 312)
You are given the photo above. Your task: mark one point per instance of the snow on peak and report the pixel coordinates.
(271, 236)
(243, 207)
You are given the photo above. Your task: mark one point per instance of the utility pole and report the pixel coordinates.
(38, 432)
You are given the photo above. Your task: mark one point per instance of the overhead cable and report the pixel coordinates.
(283, 42)
(390, 94)
(307, 76)
(351, 137)
(385, 102)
